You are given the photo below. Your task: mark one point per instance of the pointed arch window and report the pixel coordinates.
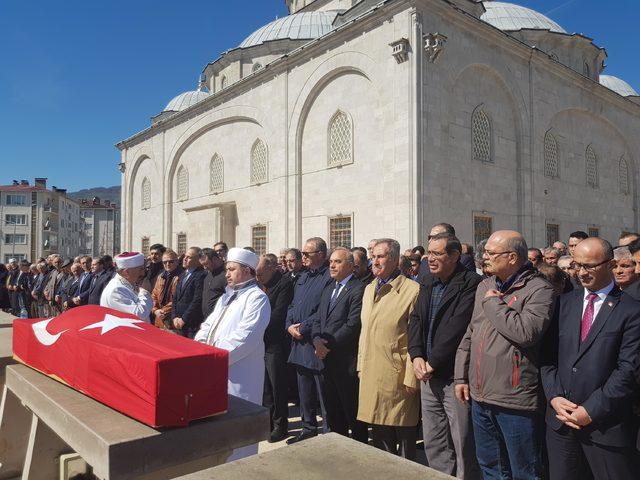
(340, 139)
(623, 176)
(481, 135)
(216, 174)
(146, 194)
(591, 166)
(182, 183)
(223, 82)
(550, 155)
(259, 162)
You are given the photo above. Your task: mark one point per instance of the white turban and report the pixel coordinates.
(129, 260)
(244, 257)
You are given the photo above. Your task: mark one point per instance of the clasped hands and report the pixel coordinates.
(422, 370)
(320, 344)
(572, 415)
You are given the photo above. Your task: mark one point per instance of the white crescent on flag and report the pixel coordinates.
(43, 336)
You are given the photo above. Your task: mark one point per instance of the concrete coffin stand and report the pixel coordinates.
(58, 420)
(329, 456)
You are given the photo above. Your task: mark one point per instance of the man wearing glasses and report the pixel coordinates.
(588, 373)
(215, 281)
(221, 250)
(306, 300)
(165, 289)
(423, 271)
(498, 360)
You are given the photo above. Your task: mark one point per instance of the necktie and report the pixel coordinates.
(334, 296)
(587, 316)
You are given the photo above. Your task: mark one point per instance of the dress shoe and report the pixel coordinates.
(300, 437)
(277, 435)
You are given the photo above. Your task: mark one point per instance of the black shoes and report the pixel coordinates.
(300, 437)
(277, 434)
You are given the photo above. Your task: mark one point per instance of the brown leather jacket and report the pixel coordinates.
(499, 356)
(156, 295)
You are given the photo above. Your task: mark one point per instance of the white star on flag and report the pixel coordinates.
(111, 321)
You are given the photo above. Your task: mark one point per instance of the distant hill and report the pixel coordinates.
(103, 193)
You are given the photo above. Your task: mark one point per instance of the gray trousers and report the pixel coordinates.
(447, 431)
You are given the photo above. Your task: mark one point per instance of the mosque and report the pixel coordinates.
(356, 119)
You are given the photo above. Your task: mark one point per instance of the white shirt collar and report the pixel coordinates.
(345, 280)
(602, 293)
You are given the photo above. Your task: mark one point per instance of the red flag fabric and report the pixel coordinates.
(156, 377)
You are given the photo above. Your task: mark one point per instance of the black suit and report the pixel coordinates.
(597, 374)
(338, 323)
(187, 301)
(98, 282)
(213, 287)
(280, 293)
(450, 322)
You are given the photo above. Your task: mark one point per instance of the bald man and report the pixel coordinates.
(588, 373)
(497, 361)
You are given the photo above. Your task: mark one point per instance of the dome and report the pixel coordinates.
(618, 85)
(299, 26)
(509, 17)
(185, 100)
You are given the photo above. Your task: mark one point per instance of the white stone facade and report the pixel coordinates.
(403, 138)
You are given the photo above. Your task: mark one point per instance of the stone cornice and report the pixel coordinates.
(277, 67)
(386, 7)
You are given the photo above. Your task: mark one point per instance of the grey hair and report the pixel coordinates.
(519, 246)
(320, 244)
(553, 250)
(392, 245)
(622, 253)
(565, 257)
(350, 258)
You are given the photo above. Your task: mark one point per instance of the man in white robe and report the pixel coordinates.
(123, 292)
(237, 324)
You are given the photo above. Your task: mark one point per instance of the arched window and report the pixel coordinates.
(216, 174)
(223, 83)
(256, 67)
(481, 135)
(340, 139)
(259, 162)
(550, 155)
(146, 194)
(591, 166)
(182, 183)
(623, 176)
(586, 70)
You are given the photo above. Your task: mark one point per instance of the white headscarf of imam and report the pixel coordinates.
(123, 293)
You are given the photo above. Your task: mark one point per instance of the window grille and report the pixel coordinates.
(216, 174)
(481, 136)
(340, 232)
(340, 140)
(482, 228)
(553, 233)
(259, 162)
(181, 244)
(146, 194)
(183, 183)
(594, 232)
(591, 167)
(550, 155)
(623, 176)
(259, 239)
(144, 246)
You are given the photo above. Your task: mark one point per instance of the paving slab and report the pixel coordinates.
(120, 448)
(329, 456)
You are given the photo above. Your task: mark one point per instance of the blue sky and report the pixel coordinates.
(77, 76)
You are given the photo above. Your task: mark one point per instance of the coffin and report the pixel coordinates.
(153, 376)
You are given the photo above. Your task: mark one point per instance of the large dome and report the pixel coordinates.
(299, 26)
(618, 85)
(509, 17)
(185, 100)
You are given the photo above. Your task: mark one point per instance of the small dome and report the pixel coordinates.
(618, 85)
(509, 17)
(185, 100)
(299, 26)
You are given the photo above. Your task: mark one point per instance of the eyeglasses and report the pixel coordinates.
(436, 254)
(169, 261)
(308, 254)
(496, 254)
(589, 268)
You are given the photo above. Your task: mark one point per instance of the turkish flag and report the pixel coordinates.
(156, 377)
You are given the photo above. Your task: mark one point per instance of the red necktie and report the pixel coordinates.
(587, 316)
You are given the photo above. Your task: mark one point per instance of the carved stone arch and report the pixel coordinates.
(214, 119)
(340, 64)
(141, 155)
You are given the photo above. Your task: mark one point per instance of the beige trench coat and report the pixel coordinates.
(383, 362)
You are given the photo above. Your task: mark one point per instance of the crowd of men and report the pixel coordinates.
(518, 363)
